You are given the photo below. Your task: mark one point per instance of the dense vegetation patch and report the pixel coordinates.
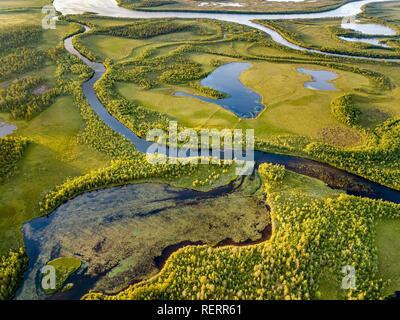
(124, 171)
(12, 267)
(145, 29)
(323, 35)
(20, 100)
(316, 232)
(11, 150)
(344, 109)
(20, 61)
(17, 36)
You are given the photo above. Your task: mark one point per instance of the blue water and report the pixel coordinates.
(242, 101)
(6, 129)
(296, 164)
(320, 79)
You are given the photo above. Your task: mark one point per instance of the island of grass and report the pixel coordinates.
(64, 268)
(327, 34)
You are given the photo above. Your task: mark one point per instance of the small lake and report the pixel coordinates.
(242, 101)
(6, 129)
(320, 79)
(373, 41)
(121, 233)
(370, 28)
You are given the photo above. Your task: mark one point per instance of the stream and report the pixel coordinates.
(333, 177)
(68, 230)
(110, 8)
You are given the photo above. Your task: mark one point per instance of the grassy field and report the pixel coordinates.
(114, 48)
(64, 267)
(291, 112)
(23, 4)
(389, 253)
(284, 96)
(388, 11)
(54, 153)
(53, 156)
(279, 84)
(323, 35)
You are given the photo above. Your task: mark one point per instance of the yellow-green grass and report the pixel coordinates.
(290, 108)
(114, 48)
(53, 156)
(388, 244)
(51, 37)
(318, 34)
(385, 10)
(20, 4)
(117, 48)
(64, 267)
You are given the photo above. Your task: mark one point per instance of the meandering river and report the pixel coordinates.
(110, 8)
(49, 228)
(334, 177)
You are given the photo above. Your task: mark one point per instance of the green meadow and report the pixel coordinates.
(71, 151)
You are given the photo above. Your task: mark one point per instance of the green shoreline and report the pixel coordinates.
(317, 10)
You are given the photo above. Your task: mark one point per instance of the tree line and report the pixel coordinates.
(12, 268)
(344, 109)
(19, 99)
(11, 150)
(314, 237)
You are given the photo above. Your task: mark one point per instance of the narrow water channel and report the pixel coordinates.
(120, 227)
(110, 8)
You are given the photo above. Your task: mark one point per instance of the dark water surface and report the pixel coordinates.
(124, 233)
(101, 226)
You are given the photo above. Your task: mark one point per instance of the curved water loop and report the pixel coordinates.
(334, 177)
(110, 8)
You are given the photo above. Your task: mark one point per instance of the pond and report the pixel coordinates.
(369, 28)
(240, 100)
(373, 41)
(320, 79)
(110, 8)
(121, 233)
(6, 129)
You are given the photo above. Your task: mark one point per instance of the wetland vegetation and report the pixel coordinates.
(63, 164)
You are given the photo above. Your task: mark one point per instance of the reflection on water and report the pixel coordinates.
(242, 101)
(111, 8)
(118, 232)
(373, 41)
(370, 29)
(320, 79)
(6, 129)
